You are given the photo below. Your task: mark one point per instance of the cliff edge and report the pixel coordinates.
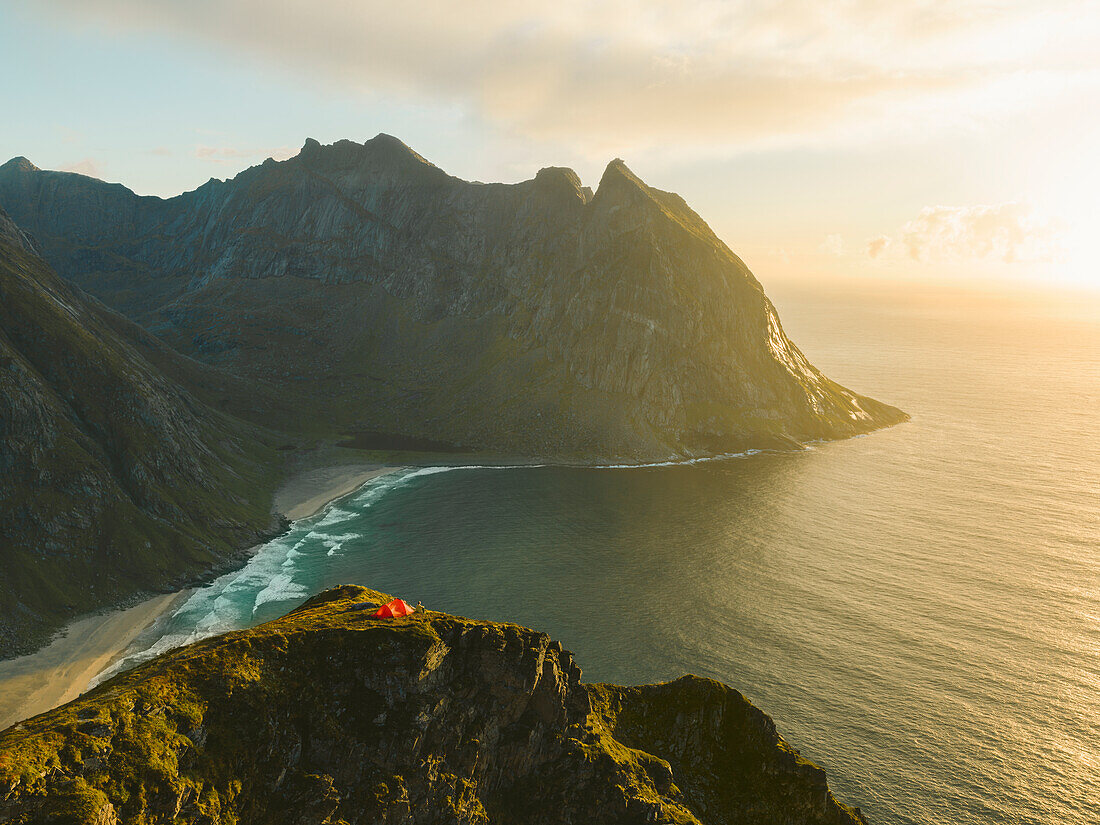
(330, 716)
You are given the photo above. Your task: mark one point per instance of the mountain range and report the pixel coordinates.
(159, 359)
(359, 289)
(117, 473)
(161, 356)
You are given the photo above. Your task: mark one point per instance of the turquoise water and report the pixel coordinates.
(918, 609)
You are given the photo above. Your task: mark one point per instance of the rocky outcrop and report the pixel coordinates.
(14, 236)
(117, 476)
(371, 291)
(330, 716)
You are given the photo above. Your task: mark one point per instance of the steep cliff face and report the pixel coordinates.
(330, 716)
(13, 236)
(114, 477)
(376, 292)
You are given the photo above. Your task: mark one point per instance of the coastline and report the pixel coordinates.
(308, 492)
(59, 672)
(62, 670)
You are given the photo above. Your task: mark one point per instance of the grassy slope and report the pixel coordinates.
(328, 715)
(115, 479)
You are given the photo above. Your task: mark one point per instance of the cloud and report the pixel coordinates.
(232, 154)
(88, 166)
(876, 246)
(640, 73)
(1007, 232)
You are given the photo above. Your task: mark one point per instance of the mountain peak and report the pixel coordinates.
(394, 147)
(20, 164)
(564, 180)
(619, 183)
(381, 146)
(617, 170)
(382, 139)
(559, 173)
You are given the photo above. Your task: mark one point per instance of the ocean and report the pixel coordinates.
(918, 609)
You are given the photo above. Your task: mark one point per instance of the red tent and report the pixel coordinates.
(391, 610)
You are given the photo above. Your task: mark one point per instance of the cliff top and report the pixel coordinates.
(329, 715)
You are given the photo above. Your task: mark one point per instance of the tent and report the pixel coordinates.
(391, 610)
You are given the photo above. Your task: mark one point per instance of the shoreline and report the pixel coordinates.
(62, 670)
(308, 492)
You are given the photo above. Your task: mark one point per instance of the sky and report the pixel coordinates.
(953, 141)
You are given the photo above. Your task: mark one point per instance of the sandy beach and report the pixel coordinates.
(307, 492)
(61, 671)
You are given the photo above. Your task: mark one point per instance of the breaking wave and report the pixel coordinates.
(285, 570)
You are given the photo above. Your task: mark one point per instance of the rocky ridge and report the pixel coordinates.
(14, 236)
(117, 474)
(330, 716)
(368, 290)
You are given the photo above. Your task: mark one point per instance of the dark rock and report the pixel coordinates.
(374, 292)
(117, 476)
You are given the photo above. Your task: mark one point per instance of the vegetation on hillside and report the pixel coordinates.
(331, 716)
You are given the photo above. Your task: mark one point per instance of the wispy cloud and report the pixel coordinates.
(88, 166)
(1006, 232)
(642, 72)
(233, 154)
(876, 246)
